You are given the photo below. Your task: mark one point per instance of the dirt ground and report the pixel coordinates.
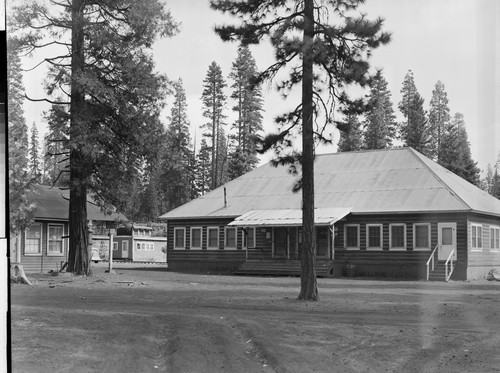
(152, 320)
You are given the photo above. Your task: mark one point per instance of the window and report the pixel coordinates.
(196, 238)
(55, 246)
(179, 238)
(115, 246)
(374, 236)
(422, 236)
(33, 244)
(213, 238)
(397, 236)
(495, 238)
(230, 238)
(352, 236)
(476, 237)
(124, 246)
(249, 237)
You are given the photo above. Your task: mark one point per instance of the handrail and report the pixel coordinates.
(431, 259)
(449, 259)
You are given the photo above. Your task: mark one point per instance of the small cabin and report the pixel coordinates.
(44, 245)
(137, 243)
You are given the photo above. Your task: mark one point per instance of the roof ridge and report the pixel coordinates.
(415, 153)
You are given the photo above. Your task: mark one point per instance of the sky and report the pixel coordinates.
(454, 41)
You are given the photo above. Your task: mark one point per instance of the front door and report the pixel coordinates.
(280, 243)
(447, 240)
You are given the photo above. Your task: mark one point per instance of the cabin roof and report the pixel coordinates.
(52, 203)
(398, 180)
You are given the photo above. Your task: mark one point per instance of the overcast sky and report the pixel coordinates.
(455, 41)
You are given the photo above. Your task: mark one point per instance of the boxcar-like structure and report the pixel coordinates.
(392, 213)
(136, 243)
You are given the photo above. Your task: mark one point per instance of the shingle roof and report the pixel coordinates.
(381, 181)
(53, 204)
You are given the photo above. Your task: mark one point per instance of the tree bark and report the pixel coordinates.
(308, 283)
(78, 256)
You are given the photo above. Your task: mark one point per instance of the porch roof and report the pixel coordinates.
(289, 217)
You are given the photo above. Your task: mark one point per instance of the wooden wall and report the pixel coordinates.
(481, 261)
(409, 263)
(42, 262)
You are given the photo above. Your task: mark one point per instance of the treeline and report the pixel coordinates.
(433, 132)
(178, 169)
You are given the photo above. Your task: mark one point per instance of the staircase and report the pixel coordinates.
(439, 273)
(270, 267)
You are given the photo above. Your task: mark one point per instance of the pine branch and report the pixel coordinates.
(46, 100)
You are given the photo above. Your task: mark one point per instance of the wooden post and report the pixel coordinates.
(110, 255)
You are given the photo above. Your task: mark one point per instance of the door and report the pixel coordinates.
(322, 249)
(280, 243)
(447, 240)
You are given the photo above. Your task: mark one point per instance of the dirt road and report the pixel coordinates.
(152, 320)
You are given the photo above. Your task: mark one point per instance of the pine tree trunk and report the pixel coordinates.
(308, 283)
(78, 256)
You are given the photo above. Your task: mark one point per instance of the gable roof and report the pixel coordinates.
(52, 203)
(381, 181)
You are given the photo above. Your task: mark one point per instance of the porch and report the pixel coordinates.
(288, 267)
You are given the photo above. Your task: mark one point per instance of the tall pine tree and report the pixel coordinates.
(35, 167)
(114, 95)
(414, 129)
(380, 123)
(177, 156)
(248, 106)
(20, 182)
(351, 139)
(214, 106)
(203, 176)
(439, 117)
(455, 152)
(304, 37)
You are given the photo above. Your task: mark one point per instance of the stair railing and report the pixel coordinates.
(452, 266)
(431, 261)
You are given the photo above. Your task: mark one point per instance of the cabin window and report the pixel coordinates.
(249, 237)
(397, 236)
(352, 236)
(124, 246)
(230, 238)
(179, 238)
(213, 238)
(55, 246)
(115, 246)
(33, 244)
(374, 236)
(476, 237)
(196, 238)
(495, 238)
(422, 236)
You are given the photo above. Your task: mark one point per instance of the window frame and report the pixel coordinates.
(191, 246)
(429, 237)
(381, 242)
(397, 248)
(208, 238)
(115, 246)
(53, 253)
(226, 245)
(494, 238)
(478, 238)
(358, 237)
(177, 229)
(124, 243)
(39, 253)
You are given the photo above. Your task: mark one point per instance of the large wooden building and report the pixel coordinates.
(44, 245)
(389, 213)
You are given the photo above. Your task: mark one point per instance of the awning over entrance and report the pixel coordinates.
(289, 217)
